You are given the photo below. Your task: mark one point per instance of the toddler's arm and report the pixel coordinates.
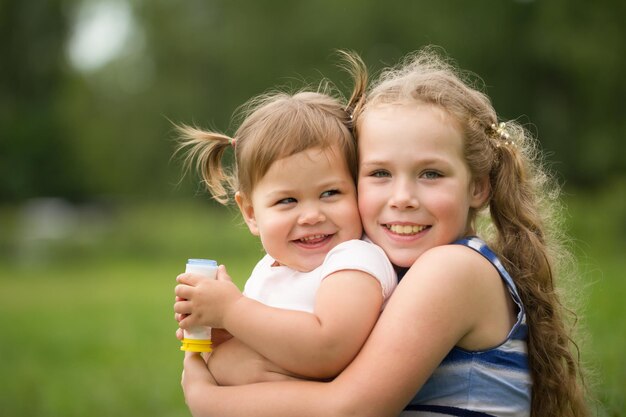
(234, 363)
(317, 345)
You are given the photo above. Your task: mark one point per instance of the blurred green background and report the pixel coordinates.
(95, 220)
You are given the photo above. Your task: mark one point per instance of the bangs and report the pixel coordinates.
(290, 126)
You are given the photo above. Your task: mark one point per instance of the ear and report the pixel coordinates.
(247, 211)
(479, 192)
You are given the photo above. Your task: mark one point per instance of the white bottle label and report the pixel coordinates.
(208, 269)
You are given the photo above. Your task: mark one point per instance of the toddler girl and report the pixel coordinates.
(314, 297)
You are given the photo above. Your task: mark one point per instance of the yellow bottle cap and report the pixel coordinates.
(196, 345)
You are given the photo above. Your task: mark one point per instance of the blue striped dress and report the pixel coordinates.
(493, 382)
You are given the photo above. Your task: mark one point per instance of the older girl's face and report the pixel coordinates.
(415, 190)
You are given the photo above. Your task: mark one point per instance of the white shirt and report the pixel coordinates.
(283, 287)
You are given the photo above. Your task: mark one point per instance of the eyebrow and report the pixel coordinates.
(373, 162)
(420, 161)
(337, 182)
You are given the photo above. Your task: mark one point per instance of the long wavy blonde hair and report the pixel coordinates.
(522, 213)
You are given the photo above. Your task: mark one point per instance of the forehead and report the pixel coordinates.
(407, 112)
(401, 127)
(312, 156)
(307, 168)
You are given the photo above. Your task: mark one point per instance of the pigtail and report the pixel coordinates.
(515, 203)
(355, 67)
(207, 150)
(523, 210)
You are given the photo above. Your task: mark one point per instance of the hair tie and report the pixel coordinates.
(501, 134)
(233, 142)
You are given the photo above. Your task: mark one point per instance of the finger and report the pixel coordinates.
(182, 307)
(178, 317)
(186, 322)
(188, 278)
(222, 275)
(180, 334)
(183, 291)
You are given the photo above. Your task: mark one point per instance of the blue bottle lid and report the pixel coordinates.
(207, 262)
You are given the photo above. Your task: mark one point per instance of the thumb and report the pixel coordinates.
(222, 275)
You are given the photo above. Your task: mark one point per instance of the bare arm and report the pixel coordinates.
(439, 304)
(315, 345)
(234, 363)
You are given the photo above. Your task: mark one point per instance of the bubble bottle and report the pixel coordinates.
(198, 338)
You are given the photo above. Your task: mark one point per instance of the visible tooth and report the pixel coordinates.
(405, 229)
(306, 239)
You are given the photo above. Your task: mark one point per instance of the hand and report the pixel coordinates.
(195, 377)
(204, 302)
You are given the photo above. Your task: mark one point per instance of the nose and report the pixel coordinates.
(311, 214)
(404, 196)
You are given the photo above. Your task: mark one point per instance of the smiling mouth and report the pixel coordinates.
(405, 229)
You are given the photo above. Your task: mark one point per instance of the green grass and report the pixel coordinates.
(88, 327)
(90, 340)
(87, 321)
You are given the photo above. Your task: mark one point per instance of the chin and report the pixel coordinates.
(403, 261)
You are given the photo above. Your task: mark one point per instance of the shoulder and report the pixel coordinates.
(456, 272)
(363, 256)
(445, 294)
(453, 257)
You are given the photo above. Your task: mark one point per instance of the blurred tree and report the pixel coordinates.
(35, 156)
(579, 86)
(73, 132)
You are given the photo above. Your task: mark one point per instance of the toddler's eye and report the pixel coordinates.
(287, 200)
(329, 193)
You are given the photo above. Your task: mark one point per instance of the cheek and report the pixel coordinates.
(345, 215)
(453, 209)
(352, 219)
(270, 226)
(367, 207)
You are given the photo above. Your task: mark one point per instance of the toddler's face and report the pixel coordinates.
(304, 206)
(415, 189)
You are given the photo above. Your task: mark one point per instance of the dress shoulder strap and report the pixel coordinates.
(481, 247)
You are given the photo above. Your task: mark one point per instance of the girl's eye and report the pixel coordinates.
(287, 200)
(431, 175)
(380, 173)
(329, 193)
